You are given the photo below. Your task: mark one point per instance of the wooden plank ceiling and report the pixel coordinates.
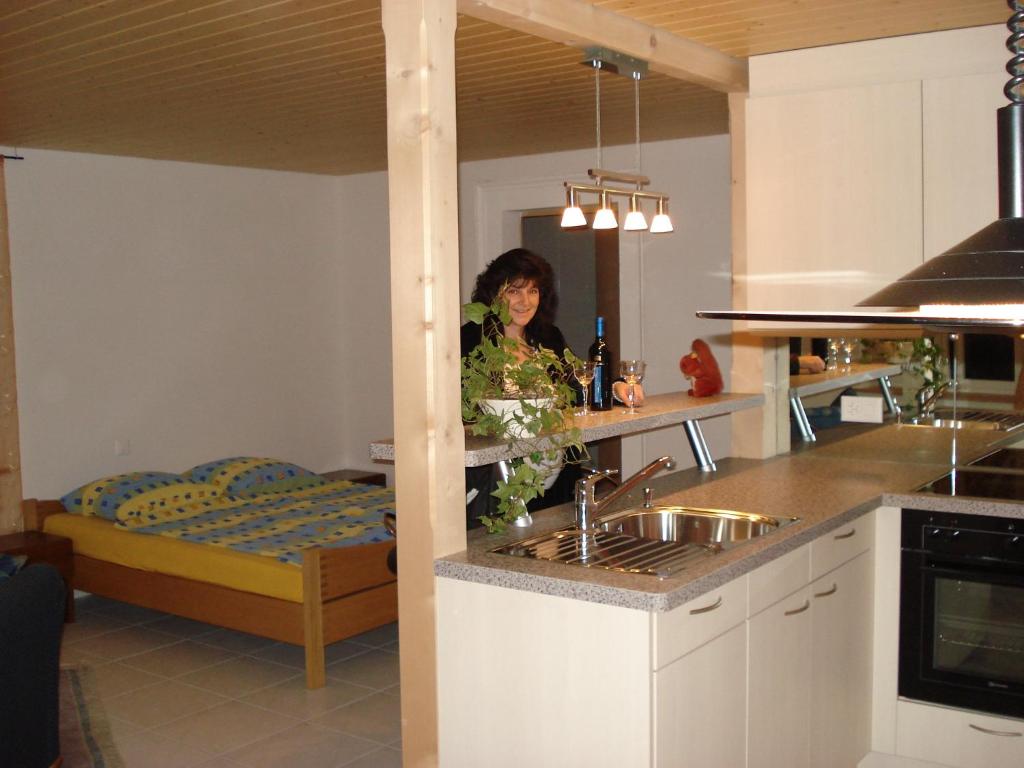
(299, 84)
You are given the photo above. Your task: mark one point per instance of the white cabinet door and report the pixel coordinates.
(833, 194)
(960, 189)
(841, 646)
(700, 705)
(779, 638)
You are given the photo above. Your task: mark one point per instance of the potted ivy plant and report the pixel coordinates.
(526, 402)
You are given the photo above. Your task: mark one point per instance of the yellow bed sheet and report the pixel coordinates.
(98, 538)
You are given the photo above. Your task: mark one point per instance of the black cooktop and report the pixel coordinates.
(986, 485)
(1006, 458)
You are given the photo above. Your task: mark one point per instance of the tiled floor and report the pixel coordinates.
(180, 693)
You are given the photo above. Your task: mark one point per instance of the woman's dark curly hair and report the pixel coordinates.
(515, 266)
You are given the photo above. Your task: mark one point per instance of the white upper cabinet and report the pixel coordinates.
(863, 160)
(960, 177)
(834, 194)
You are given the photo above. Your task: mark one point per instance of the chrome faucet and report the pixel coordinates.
(927, 398)
(588, 506)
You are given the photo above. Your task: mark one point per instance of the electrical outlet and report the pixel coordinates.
(122, 447)
(864, 409)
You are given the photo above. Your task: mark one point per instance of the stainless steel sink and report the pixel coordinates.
(942, 418)
(658, 541)
(690, 525)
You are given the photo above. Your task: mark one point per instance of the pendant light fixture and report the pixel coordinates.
(572, 216)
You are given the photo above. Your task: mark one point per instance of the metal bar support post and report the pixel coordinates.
(701, 452)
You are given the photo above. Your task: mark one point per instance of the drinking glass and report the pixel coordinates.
(584, 373)
(832, 357)
(632, 372)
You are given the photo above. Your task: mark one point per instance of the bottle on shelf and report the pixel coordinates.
(601, 356)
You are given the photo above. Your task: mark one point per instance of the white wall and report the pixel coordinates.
(664, 279)
(194, 312)
(201, 311)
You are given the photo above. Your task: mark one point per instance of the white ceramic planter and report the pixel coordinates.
(510, 412)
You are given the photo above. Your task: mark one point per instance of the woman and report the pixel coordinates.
(526, 282)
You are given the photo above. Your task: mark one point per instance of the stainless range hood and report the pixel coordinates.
(976, 283)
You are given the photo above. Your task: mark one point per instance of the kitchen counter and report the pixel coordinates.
(826, 488)
(657, 412)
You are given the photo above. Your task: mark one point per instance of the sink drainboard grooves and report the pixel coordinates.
(612, 551)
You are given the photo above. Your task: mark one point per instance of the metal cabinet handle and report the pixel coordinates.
(707, 608)
(1012, 734)
(853, 532)
(801, 609)
(832, 591)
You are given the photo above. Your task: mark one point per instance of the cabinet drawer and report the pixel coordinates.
(691, 625)
(842, 544)
(955, 737)
(784, 576)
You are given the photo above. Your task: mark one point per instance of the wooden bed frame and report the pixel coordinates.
(345, 591)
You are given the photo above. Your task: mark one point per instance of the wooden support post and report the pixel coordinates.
(10, 447)
(759, 364)
(429, 441)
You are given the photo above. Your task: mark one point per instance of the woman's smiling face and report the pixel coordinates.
(522, 298)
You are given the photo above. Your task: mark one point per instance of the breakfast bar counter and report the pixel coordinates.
(658, 411)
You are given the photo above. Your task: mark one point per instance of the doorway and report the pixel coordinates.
(586, 266)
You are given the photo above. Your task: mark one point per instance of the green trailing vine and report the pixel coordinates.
(545, 400)
(928, 361)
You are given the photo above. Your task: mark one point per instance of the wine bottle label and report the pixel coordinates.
(598, 384)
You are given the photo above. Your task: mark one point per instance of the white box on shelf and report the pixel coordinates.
(865, 409)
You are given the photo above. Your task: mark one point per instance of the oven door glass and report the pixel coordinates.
(978, 628)
(962, 634)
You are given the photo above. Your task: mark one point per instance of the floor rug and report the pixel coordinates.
(85, 739)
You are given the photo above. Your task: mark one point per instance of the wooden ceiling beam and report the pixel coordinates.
(579, 24)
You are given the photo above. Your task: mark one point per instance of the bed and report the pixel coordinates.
(313, 597)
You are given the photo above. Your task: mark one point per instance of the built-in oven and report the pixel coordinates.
(962, 611)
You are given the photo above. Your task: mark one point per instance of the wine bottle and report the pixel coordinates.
(601, 356)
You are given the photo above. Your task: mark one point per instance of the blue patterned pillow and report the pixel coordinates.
(247, 474)
(10, 565)
(103, 497)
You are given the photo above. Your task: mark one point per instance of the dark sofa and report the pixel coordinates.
(31, 623)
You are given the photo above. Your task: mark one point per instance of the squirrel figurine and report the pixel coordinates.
(701, 368)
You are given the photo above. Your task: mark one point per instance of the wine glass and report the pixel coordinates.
(632, 372)
(583, 370)
(846, 353)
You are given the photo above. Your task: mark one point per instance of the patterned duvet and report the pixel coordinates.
(279, 525)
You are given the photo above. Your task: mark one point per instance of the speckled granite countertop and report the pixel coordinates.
(826, 487)
(658, 411)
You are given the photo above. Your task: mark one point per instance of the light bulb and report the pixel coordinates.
(635, 220)
(572, 216)
(661, 223)
(605, 216)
